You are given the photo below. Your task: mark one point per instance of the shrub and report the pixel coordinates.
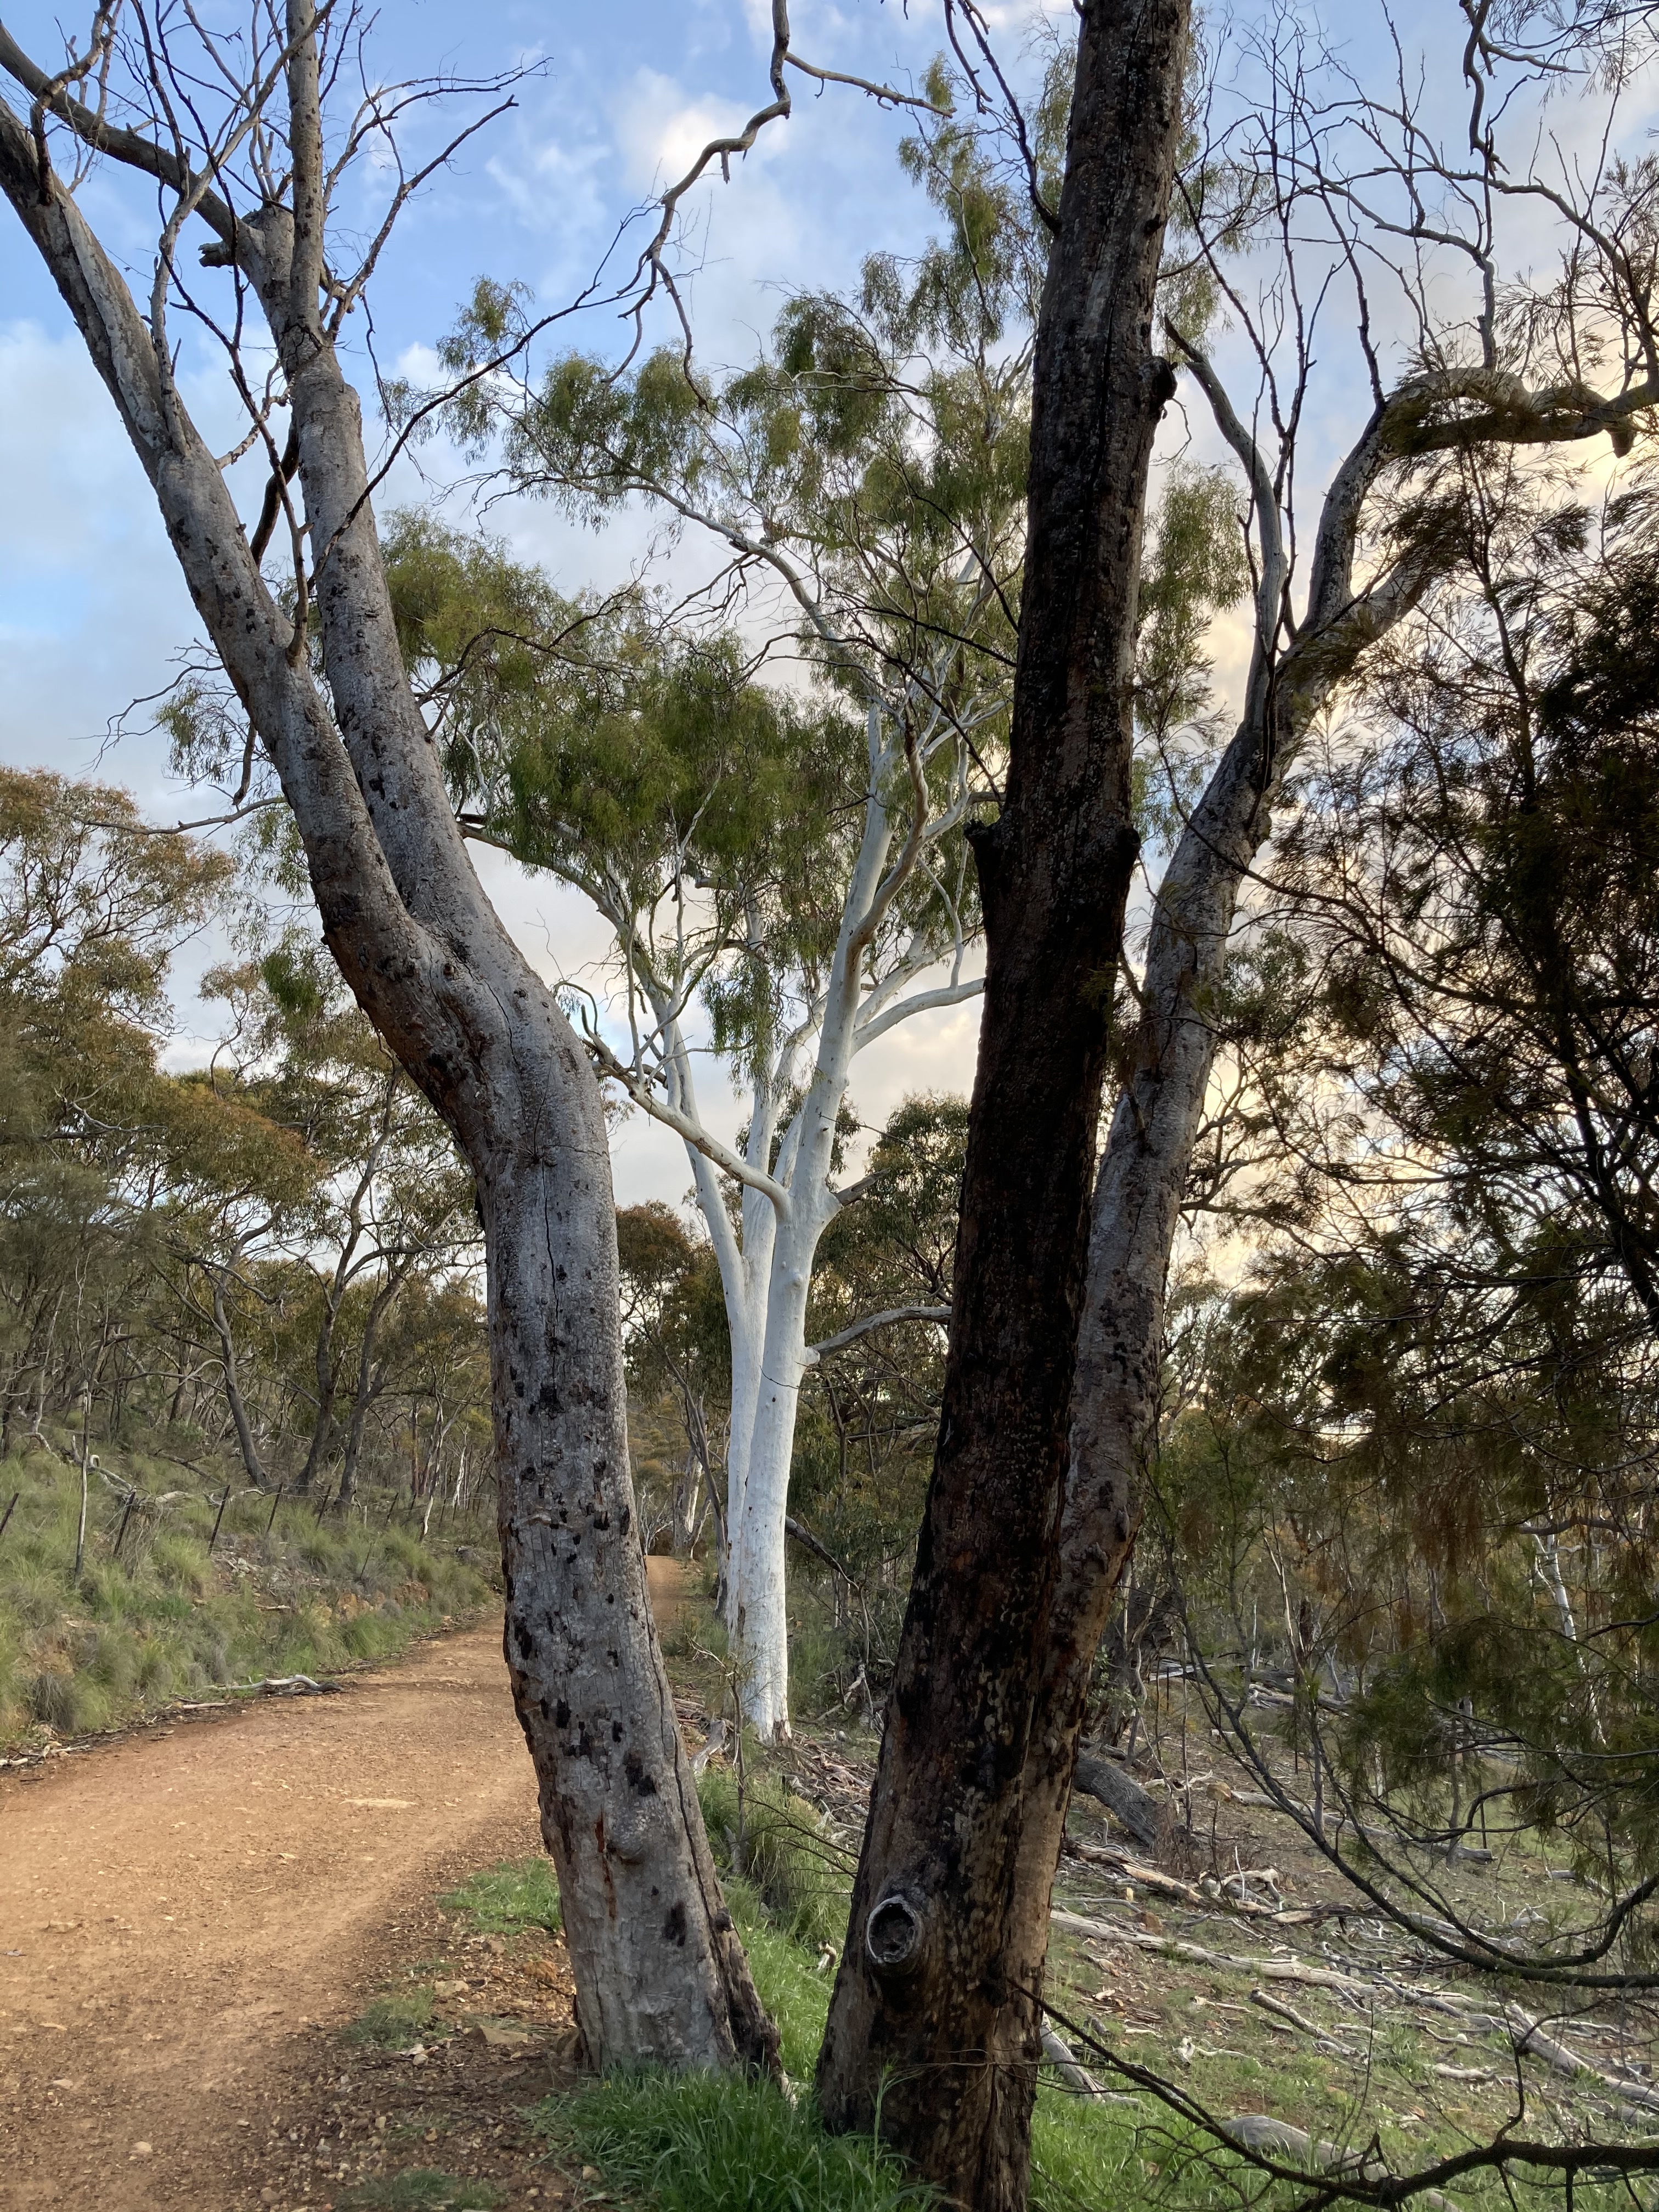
(777, 1842)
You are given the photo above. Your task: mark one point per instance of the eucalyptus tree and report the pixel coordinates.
(240, 138)
(920, 1984)
(388, 1199)
(1448, 1349)
(801, 870)
(1328, 193)
(91, 910)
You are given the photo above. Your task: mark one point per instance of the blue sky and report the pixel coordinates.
(91, 613)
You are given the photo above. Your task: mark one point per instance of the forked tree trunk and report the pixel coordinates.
(659, 1974)
(920, 2035)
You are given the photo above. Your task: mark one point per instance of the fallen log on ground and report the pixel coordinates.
(1123, 1796)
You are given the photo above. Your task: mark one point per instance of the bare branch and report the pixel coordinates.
(893, 1315)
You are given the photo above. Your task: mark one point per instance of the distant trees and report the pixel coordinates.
(164, 1235)
(1426, 1428)
(674, 1328)
(92, 1133)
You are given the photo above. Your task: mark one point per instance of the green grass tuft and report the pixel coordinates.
(421, 2190)
(777, 1844)
(392, 2022)
(518, 1893)
(714, 2143)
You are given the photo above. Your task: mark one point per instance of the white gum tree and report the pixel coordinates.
(797, 1058)
(788, 866)
(791, 878)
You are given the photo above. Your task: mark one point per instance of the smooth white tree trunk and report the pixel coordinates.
(766, 1274)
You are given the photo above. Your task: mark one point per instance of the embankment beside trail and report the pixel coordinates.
(191, 1580)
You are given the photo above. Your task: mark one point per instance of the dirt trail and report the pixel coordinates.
(180, 1914)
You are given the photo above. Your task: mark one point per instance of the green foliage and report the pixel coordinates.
(777, 1843)
(793, 1982)
(1418, 1441)
(516, 1894)
(275, 1249)
(1194, 568)
(679, 1358)
(869, 1413)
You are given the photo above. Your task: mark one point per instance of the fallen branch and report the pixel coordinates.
(1175, 1947)
(1323, 2040)
(288, 1685)
(1196, 1895)
(1123, 1798)
(1259, 2132)
(1527, 2034)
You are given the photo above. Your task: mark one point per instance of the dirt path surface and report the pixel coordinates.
(181, 1915)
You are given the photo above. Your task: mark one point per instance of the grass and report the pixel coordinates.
(776, 1842)
(163, 1618)
(709, 2143)
(395, 2021)
(421, 2190)
(705, 2143)
(518, 1893)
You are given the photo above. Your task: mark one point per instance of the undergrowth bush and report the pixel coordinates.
(777, 1842)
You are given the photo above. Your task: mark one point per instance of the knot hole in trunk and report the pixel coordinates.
(892, 1938)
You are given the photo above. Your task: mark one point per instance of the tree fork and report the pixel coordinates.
(922, 2036)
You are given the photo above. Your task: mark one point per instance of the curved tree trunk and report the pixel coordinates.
(659, 1972)
(921, 2037)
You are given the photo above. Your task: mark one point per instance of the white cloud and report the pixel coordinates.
(660, 129)
(91, 602)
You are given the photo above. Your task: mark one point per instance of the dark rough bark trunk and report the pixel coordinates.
(659, 1972)
(920, 2031)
